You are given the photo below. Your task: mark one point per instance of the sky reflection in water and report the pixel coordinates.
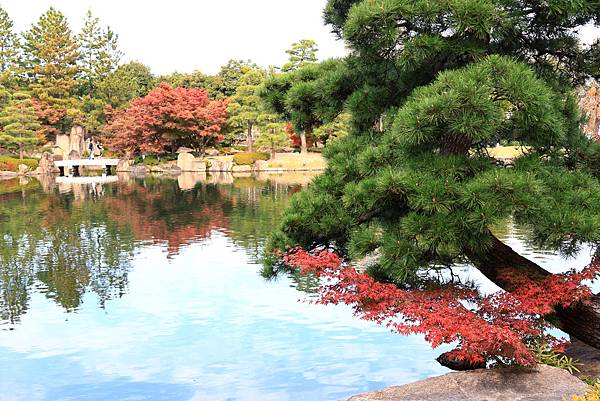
(138, 290)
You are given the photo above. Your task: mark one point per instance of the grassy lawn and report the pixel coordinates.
(298, 161)
(505, 152)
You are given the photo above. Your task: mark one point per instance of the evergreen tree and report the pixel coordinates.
(100, 55)
(51, 59)
(9, 50)
(302, 53)
(428, 85)
(272, 134)
(336, 129)
(224, 84)
(302, 97)
(194, 80)
(246, 108)
(129, 81)
(19, 123)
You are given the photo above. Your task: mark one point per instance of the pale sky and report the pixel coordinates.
(184, 35)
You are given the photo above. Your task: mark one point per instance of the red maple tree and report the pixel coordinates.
(164, 120)
(501, 327)
(289, 130)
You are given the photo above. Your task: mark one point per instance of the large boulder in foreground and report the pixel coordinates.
(544, 383)
(588, 358)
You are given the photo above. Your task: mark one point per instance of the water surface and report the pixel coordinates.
(149, 289)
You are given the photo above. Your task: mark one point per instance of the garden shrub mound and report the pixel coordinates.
(248, 158)
(9, 163)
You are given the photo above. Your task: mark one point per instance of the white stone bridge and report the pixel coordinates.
(73, 165)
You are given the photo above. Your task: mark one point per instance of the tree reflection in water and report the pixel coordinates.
(66, 240)
(60, 247)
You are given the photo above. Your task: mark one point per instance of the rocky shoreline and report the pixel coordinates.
(186, 162)
(544, 383)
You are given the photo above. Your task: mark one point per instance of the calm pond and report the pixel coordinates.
(149, 289)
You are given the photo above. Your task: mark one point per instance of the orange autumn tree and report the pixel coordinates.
(164, 120)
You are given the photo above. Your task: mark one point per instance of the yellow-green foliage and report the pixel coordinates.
(551, 357)
(593, 393)
(248, 158)
(8, 163)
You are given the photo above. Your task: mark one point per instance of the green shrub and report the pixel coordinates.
(248, 158)
(9, 163)
(240, 147)
(149, 160)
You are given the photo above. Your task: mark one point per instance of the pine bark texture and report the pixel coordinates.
(581, 320)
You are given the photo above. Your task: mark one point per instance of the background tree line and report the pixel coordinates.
(52, 78)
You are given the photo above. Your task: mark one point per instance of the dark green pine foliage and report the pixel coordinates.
(430, 85)
(51, 59)
(19, 124)
(301, 54)
(100, 54)
(9, 51)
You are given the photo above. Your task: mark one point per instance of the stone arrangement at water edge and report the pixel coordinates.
(544, 383)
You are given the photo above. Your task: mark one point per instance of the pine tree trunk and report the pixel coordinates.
(581, 320)
(249, 139)
(21, 151)
(303, 147)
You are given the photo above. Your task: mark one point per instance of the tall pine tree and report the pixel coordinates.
(51, 59)
(429, 84)
(100, 55)
(301, 54)
(51, 56)
(246, 107)
(9, 50)
(19, 123)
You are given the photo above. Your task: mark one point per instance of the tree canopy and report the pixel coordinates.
(20, 123)
(301, 54)
(165, 120)
(429, 85)
(246, 108)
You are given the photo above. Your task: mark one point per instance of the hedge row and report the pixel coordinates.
(8, 163)
(248, 158)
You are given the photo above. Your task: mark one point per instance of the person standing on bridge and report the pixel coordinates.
(91, 148)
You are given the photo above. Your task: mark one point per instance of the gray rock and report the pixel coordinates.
(588, 358)
(261, 165)
(123, 165)
(185, 161)
(183, 149)
(241, 169)
(211, 152)
(23, 168)
(74, 155)
(543, 383)
(45, 166)
(139, 169)
(220, 165)
(199, 166)
(167, 169)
